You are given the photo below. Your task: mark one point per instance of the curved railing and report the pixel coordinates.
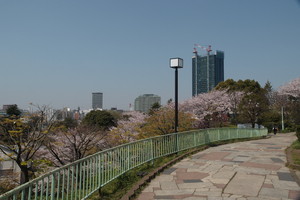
(82, 178)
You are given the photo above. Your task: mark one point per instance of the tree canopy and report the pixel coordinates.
(13, 110)
(101, 119)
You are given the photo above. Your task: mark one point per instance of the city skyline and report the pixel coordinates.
(57, 53)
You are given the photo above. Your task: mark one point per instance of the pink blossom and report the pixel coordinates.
(291, 89)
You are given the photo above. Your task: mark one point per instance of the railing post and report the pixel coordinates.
(194, 135)
(128, 156)
(152, 151)
(52, 186)
(177, 143)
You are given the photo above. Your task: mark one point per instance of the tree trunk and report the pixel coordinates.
(24, 174)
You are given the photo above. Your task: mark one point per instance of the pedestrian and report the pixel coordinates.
(275, 130)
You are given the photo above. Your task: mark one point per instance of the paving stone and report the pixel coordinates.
(226, 195)
(148, 189)
(273, 147)
(191, 175)
(222, 174)
(146, 196)
(263, 143)
(215, 155)
(259, 165)
(284, 176)
(287, 185)
(193, 185)
(154, 184)
(244, 184)
(164, 197)
(277, 160)
(214, 198)
(265, 185)
(218, 185)
(294, 194)
(164, 177)
(197, 156)
(168, 185)
(209, 193)
(169, 170)
(195, 198)
(173, 192)
(220, 181)
(192, 181)
(273, 193)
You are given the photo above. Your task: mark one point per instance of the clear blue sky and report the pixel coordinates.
(58, 52)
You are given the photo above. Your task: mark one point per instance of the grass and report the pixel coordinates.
(296, 145)
(295, 152)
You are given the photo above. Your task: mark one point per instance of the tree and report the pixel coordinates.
(254, 102)
(154, 108)
(101, 119)
(13, 110)
(208, 108)
(66, 146)
(24, 138)
(163, 122)
(252, 108)
(291, 89)
(241, 85)
(128, 128)
(67, 123)
(290, 96)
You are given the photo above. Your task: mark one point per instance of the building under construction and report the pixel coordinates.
(208, 70)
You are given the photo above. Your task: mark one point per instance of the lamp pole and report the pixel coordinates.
(282, 121)
(176, 63)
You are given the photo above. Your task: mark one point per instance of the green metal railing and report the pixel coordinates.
(82, 178)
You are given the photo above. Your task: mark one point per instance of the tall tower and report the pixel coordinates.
(207, 72)
(97, 100)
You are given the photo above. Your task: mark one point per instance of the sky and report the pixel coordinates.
(58, 52)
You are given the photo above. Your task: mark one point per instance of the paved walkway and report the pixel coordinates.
(249, 170)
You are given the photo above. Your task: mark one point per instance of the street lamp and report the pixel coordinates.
(176, 63)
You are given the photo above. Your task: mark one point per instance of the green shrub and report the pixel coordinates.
(298, 132)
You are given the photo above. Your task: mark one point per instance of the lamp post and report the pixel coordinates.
(176, 63)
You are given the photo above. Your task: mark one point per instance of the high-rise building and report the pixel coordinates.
(97, 100)
(144, 102)
(208, 71)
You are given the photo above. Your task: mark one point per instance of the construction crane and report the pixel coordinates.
(208, 50)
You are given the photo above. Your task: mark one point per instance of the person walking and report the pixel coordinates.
(274, 130)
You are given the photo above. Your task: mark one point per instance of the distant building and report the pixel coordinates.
(97, 100)
(5, 107)
(204, 81)
(9, 169)
(144, 102)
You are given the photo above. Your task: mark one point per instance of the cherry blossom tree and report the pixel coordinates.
(128, 128)
(66, 146)
(208, 107)
(289, 96)
(291, 89)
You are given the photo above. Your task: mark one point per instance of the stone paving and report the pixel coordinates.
(249, 170)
